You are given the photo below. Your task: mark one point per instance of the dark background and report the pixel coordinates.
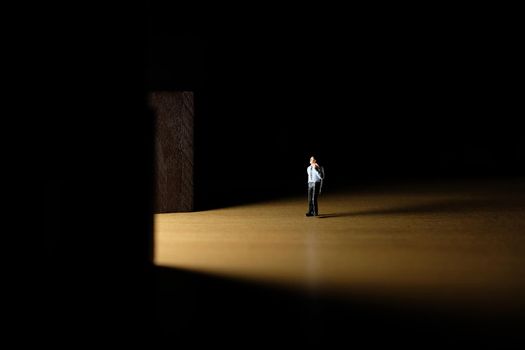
(377, 94)
(374, 94)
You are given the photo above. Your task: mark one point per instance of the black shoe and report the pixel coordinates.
(309, 214)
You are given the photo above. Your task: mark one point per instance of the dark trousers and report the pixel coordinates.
(313, 193)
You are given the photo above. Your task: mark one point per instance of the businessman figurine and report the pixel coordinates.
(315, 178)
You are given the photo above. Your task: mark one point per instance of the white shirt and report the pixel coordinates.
(314, 175)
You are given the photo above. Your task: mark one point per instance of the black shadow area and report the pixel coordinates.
(198, 309)
(381, 95)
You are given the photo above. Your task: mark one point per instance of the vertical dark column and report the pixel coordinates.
(173, 113)
(100, 286)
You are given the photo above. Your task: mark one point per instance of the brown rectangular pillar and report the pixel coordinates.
(173, 112)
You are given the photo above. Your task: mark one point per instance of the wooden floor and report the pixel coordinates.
(456, 243)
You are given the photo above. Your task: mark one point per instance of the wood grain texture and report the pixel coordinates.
(174, 114)
(460, 245)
